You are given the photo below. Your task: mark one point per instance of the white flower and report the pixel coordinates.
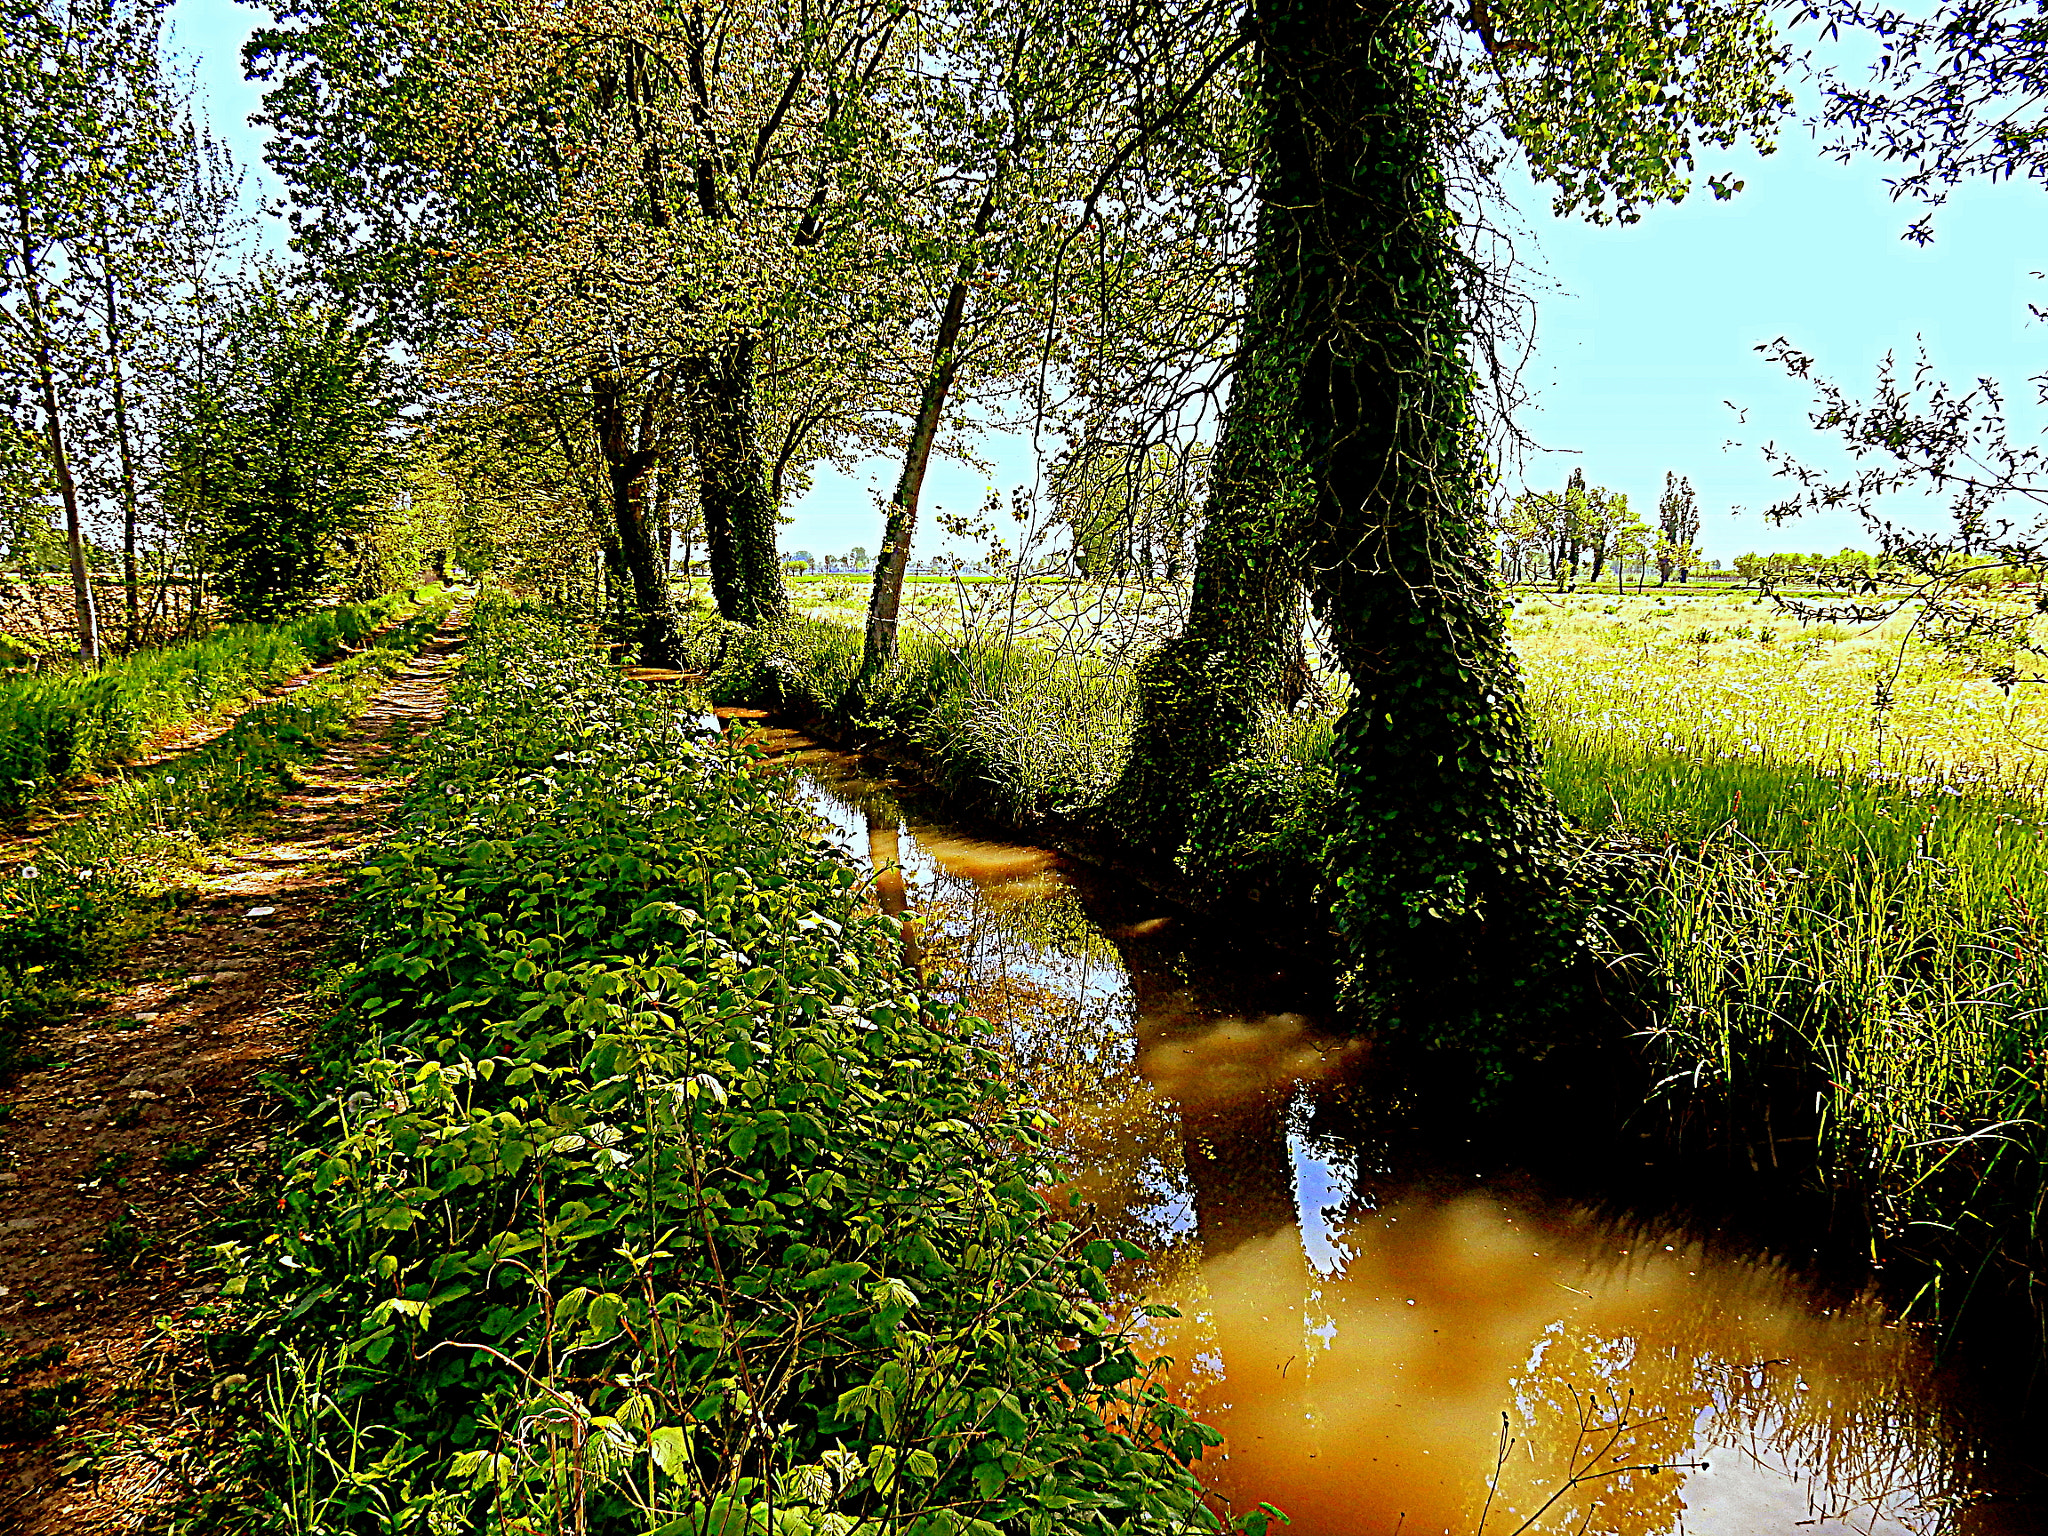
(30, 872)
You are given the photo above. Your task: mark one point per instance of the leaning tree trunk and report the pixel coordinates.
(892, 560)
(1200, 695)
(1453, 902)
(740, 516)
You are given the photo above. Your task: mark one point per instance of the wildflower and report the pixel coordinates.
(30, 872)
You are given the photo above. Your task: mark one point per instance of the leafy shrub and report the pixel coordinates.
(648, 1188)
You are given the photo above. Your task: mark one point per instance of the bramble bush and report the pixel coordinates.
(646, 1192)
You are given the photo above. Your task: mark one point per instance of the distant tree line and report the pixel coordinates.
(1573, 535)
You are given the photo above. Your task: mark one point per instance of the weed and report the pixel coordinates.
(40, 1360)
(58, 723)
(37, 1411)
(125, 1240)
(184, 1158)
(108, 1164)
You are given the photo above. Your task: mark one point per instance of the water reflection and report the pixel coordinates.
(1390, 1345)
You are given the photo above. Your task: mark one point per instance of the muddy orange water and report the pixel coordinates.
(1390, 1348)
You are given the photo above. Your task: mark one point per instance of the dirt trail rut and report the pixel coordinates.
(147, 1122)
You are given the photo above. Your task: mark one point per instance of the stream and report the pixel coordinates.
(1392, 1344)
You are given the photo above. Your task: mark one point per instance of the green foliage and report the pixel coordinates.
(1609, 101)
(57, 724)
(184, 1157)
(647, 1188)
(283, 453)
(93, 881)
(1019, 730)
(1132, 512)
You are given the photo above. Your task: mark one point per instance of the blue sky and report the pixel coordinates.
(1650, 329)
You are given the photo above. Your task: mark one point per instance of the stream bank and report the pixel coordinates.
(1401, 1324)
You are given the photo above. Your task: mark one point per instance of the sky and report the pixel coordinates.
(1645, 356)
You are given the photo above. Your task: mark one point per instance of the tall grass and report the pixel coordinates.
(57, 724)
(1017, 729)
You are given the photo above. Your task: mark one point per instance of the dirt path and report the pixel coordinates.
(146, 1121)
(77, 798)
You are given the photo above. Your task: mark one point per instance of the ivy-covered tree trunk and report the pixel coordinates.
(1447, 858)
(1200, 695)
(740, 516)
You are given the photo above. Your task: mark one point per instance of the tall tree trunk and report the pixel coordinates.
(1201, 694)
(74, 528)
(53, 424)
(740, 516)
(130, 577)
(892, 561)
(1453, 899)
(628, 439)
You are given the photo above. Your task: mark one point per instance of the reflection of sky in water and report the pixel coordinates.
(1360, 1335)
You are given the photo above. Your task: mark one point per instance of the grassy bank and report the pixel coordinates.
(1832, 919)
(640, 1189)
(58, 723)
(93, 882)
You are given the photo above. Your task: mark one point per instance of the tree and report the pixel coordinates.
(1953, 94)
(1072, 207)
(53, 135)
(1974, 588)
(1578, 524)
(1678, 529)
(1540, 75)
(1633, 541)
(630, 208)
(293, 452)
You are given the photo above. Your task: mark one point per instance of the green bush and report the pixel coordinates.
(56, 724)
(1017, 729)
(646, 1191)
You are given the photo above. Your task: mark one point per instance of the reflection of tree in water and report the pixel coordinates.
(1836, 1403)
